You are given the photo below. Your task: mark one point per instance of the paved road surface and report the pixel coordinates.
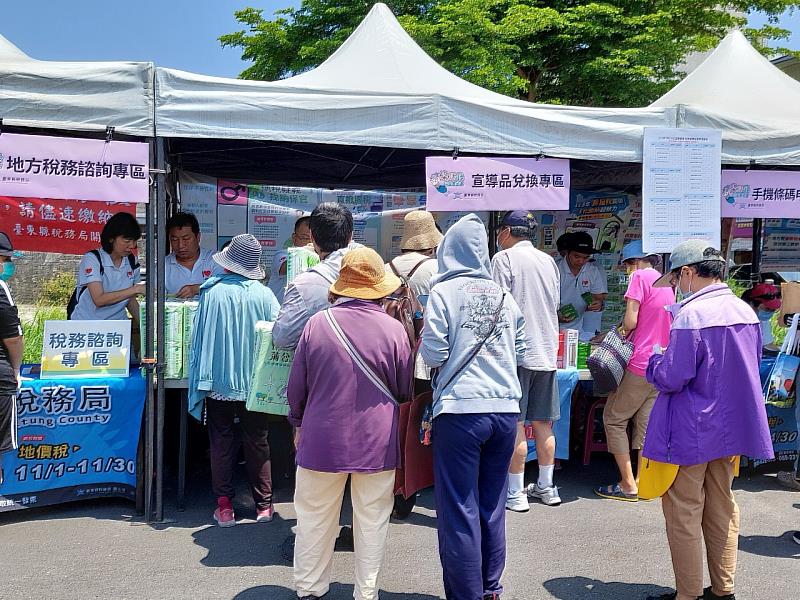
(587, 548)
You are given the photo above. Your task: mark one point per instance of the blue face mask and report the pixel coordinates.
(765, 315)
(8, 271)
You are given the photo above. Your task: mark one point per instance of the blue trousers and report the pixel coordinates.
(471, 456)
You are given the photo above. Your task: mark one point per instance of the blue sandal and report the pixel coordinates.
(614, 492)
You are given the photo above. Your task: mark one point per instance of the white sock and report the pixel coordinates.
(516, 482)
(546, 476)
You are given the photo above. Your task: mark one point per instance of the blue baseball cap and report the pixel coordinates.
(633, 250)
(518, 218)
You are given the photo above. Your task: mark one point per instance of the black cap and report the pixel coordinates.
(580, 241)
(563, 241)
(6, 249)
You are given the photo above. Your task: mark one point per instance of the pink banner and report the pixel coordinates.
(477, 183)
(37, 166)
(761, 194)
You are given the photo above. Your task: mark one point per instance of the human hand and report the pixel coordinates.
(595, 306)
(188, 291)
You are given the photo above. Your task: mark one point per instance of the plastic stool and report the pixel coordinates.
(589, 444)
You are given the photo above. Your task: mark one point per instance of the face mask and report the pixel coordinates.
(680, 295)
(498, 245)
(8, 271)
(765, 315)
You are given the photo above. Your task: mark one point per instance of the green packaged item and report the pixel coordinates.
(584, 350)
(271, 368)
(173, 338)
(568, 312)
(299, 261)
(587, 297)
(189, 310)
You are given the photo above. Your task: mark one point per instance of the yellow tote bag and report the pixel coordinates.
(655, 477)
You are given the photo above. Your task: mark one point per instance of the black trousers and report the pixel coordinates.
(220, 415)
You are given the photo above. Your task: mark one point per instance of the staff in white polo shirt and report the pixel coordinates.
(108, 277)
(584, 286)
(189, 265)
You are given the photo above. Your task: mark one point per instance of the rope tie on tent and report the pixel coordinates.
(455, 152)
(109, 133)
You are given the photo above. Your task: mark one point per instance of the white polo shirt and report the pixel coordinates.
(113, 279)
(592, 278)
(176, 275)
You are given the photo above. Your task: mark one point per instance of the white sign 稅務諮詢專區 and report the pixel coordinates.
(680, 187)
(86, 349)
(483, 183)
(38, 166)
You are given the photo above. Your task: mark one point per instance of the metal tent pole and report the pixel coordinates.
(148, 360)
(755, 269)
(160, 242)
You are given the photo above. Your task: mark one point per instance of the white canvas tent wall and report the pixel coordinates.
(381, 89)
(754, 103)
(75, 96)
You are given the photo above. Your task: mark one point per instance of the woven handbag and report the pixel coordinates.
(608, 362)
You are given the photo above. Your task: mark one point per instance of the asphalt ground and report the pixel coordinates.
(587, 548)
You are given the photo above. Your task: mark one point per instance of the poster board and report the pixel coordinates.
(680, 187)
(225, 209)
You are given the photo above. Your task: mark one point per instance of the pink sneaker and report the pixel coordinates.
(264, 515)
(224, 513)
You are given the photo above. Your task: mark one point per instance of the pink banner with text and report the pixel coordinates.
(485, 183)
(38, 166)
(761, 194)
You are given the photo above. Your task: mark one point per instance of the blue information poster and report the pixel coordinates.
(77, 440)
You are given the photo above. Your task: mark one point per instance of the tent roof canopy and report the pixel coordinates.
(381, 89)
(75, 96)
(737, 80)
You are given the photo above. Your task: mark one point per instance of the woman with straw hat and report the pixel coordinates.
(351, 368)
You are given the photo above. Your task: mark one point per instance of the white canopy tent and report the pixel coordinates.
(75, 96)
(381, 89)
(755, 104)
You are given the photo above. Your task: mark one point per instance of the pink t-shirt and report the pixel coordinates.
(654, 322)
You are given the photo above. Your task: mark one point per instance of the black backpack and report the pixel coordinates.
(76, 293)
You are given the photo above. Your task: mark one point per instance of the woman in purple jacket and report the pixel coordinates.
(708, 412)
(351, 368)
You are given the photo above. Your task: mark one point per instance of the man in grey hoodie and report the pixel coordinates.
(331, 233)
(474, 335)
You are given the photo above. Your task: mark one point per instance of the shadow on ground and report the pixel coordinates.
(584, 588)
(781, 546)
(338, 591)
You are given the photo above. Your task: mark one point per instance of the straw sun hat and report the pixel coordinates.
(364, 276)
(242, 256)
(419, 231)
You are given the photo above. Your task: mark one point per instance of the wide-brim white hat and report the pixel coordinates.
(242, 256)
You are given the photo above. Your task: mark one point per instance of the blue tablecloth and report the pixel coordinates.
(77, 440)
(567, 380)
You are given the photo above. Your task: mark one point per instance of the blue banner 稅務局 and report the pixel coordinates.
(77, 440)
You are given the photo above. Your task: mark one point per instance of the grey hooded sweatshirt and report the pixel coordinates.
(458, 316)
(306, 296)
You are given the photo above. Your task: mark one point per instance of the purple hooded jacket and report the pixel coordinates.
(710, 403)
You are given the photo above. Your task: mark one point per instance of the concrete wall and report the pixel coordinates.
(34, 268)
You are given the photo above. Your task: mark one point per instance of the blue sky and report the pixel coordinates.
(172, 33)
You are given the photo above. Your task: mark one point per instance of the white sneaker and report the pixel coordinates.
(548, 496)
(517, 501)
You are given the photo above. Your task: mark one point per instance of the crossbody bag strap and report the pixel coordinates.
(416, 266)
(358, 360)
(480, 345)
(394, 269)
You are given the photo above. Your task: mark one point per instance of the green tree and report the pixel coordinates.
(601, 53)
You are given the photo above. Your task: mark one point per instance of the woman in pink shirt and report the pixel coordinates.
(647, 322)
